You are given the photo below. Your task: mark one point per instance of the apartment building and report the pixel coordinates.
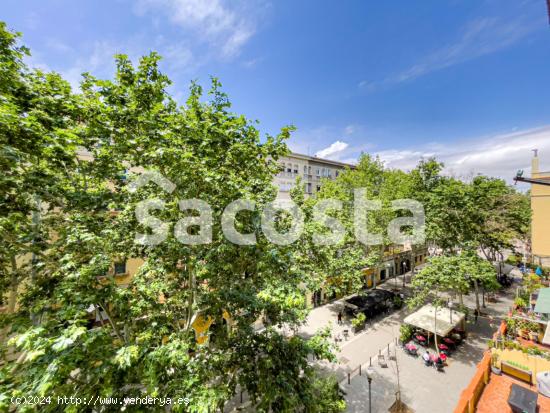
(310, 168)
(540, 220)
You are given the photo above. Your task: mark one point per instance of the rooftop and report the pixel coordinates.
(320, 160)
(495, 395)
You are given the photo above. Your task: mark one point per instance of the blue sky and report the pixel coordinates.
(467, 81)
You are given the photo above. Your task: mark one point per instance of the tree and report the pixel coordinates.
(478, 272)
(38, 148)
(453, 273)
(484, 211)
(502, 215)
(380, 184)
(145, 343)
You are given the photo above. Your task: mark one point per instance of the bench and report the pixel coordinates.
(524, 375)
(382, 361)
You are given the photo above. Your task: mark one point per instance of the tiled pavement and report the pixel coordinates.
(422, 388)
(495, 396)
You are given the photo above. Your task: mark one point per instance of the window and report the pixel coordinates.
(289, 168)
(308, 187)
(317, 172)
(318, 188)
(296, 169)
(305, 170)
(309, 170)
(120, 267)
(336, 173)
(329, 173)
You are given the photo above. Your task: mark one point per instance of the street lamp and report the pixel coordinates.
(450, 305)
(370, 374)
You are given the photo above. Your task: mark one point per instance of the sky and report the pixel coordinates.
(466, 81)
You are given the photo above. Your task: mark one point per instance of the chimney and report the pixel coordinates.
(535, 162)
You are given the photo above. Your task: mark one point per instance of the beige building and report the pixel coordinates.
(540, 221)
(310, 168)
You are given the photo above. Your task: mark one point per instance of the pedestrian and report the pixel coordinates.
(476, 315)
(340, 317)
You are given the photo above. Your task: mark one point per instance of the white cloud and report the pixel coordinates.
(211, 21)
(480, 37)
(350, 129)
(318, 140)
(98, 58)
(499, 156)
(332, 150)
(178, 56)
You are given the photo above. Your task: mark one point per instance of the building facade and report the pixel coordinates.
(310, 168)
(540, 220)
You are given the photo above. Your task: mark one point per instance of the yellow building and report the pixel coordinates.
(540, 221)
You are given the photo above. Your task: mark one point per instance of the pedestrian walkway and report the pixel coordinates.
(420, 385)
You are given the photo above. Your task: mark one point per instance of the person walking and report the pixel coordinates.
(340, 317)
(476, 315)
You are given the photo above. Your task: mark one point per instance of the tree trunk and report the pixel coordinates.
(34, 257)
(13, 286)
(191, 301)
(435, 331)
(461, 301)
(476, 287)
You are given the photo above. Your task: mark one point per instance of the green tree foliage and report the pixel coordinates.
(343, 264)
(37, 146)
(454, 273)
(502, 215)
(145, 343)
(484, 211)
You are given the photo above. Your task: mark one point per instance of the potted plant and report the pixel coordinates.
(397, 302)
(494, 360)
(405, 333)
(358, 323)
(520, 303)
(511, 327)
(534, 332)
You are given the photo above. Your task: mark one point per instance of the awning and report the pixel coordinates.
(546, 338)
(543, 301)
(543, 383)
(441, 324)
